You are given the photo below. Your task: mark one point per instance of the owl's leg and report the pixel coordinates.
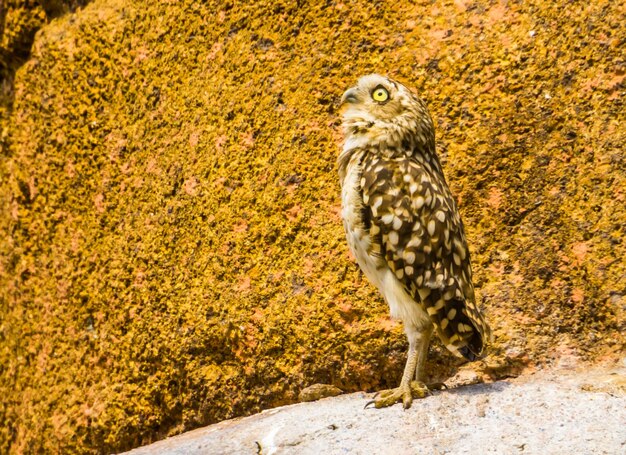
(408, 389)
(423, 354)
(421, 365)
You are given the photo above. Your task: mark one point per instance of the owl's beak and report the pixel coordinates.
(350, 96)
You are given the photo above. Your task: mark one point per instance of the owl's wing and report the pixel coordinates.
(416, 226)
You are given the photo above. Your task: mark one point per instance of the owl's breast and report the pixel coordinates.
(357, 226)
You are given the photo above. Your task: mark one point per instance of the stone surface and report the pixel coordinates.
(543, 414)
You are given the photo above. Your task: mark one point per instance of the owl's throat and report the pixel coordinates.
(370, 134)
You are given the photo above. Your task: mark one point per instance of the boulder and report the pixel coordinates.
(171, 249)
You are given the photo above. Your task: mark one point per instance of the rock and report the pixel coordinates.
(465, 376)
(546, 413)
(318, 391)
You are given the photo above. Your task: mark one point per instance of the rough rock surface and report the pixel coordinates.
(171, 253)
(19, 21)
(543, 414)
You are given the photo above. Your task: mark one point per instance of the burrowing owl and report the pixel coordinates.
(403, 225)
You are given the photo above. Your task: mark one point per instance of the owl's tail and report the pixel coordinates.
(459, 324)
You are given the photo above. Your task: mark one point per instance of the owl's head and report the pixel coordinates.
(380, 111)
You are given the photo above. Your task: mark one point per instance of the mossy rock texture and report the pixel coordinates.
(171, 247)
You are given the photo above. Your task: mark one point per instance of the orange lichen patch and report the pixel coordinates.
(172, 252)
(580, 252)
(387, 324)
(495, 198)
(190, 186)
(497, 13)
(578, 295)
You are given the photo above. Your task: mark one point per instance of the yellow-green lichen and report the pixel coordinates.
(172, 248)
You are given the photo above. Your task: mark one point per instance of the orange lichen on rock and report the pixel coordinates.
(172, 252)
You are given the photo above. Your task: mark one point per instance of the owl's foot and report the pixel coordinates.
(404, 393)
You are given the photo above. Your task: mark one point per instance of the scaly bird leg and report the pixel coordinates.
(418, 349)
(421, 362)
(422, 353)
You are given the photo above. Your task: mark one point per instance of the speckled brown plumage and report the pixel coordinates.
(402, 222)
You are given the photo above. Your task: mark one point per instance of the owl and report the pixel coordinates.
(403, 226)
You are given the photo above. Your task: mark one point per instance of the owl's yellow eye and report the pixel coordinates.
(380, 94)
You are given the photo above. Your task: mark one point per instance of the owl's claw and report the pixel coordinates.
(372, 401)
(404, 393)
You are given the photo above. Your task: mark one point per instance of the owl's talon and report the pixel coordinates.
(384, 393)
(419, 389)
(404, 393)
(368, 403)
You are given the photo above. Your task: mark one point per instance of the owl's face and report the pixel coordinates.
(377, 98)
(379, 110)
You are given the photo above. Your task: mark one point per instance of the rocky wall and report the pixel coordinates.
(172, 251)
